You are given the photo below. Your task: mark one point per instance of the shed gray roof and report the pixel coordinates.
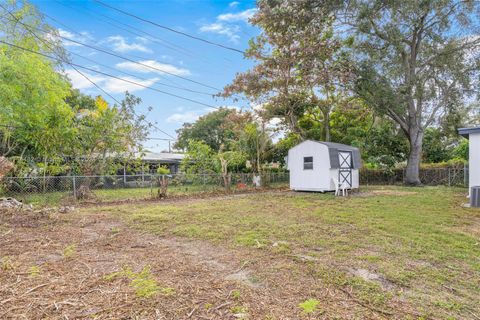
(334, 148)
(465, 132)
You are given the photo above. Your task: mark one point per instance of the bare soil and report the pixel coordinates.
(54, 266)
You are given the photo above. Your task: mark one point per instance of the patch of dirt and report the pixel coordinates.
(372, 276)
(57, 268)
(364, 194)
(393, 192)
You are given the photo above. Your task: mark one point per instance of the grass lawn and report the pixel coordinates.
(383, 253)
(410, 245)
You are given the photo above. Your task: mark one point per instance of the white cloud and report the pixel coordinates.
(231, 31)
(233, 4)
(240, 16)
(182, 115)
(181, 118)
(80, 37)
(80, 82)
(110, 85)
(120, 44)
(131, 66)
(224, 24)
(119, 86)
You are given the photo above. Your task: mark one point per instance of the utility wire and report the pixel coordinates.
(121, 71)
(83, 75)
(116, 23)
(138, 32)
(109, 75)
(128, 59)
(169, 29)
(136, 62)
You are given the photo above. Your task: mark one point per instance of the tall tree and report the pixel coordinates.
(256, 143)
(418, 61)
(106, 135)
(34, 119)
(216, 128)
(299, 63)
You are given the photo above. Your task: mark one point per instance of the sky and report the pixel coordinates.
(169, 62)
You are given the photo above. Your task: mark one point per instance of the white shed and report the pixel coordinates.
(473, 135)
(316, 165)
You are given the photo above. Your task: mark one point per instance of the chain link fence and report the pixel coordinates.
(450, 176)
(54, 190)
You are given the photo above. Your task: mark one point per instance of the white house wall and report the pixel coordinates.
(317, 179)
(474, 159)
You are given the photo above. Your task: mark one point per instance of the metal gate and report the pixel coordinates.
(345, 169)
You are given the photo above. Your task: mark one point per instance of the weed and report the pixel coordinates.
(236, 294)
(208, 305)
(309, 306)
(239, 311)
(34, 271)
(6, 263)
(143, 282)
(114, 230)
(167, 291)
(69, 251)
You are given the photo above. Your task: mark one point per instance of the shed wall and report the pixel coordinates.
(317, 179)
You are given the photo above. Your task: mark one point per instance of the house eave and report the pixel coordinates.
(466, 132)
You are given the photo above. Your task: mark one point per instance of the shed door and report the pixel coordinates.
(345, 171)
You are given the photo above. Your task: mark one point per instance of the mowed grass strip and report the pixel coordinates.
(421, 241)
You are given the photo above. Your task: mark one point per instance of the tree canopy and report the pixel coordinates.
(44, 122)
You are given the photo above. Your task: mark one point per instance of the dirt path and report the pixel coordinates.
(57, 268)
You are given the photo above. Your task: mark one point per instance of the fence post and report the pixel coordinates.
(74, 188)
(151, 185)
(449, 178)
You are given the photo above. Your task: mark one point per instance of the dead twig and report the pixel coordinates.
(473, 314)
(189, 315)
(223, 305)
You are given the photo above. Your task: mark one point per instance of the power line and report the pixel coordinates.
(170, 29)
(115, 23)
(138, 32)
(130, 60)
(83, 75)
(121, 71)
(111, 76)
(136, 62)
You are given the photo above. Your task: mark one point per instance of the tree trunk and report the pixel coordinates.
(412, 176)
(326, 125)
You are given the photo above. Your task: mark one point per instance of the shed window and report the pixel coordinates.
(307, 163)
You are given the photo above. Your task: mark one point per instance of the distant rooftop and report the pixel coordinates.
(465, 132)
(161, 157)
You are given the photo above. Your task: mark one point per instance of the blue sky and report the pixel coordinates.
(223, 22)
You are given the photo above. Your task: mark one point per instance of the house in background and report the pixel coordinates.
(152, 160)
(473, 135)
(319, 166)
